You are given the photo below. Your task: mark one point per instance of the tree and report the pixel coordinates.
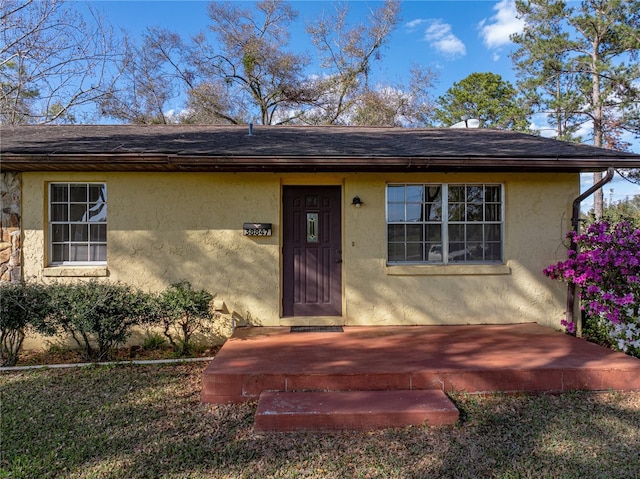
(400, 105)
(486, 97)
(347, 53)
(627, 209)
(52, 62)
(590, 53)
(249, 73)
(150, 79)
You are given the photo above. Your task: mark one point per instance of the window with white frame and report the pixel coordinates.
(444, 223)
(77, 223)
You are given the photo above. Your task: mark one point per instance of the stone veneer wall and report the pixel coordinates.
(10, 191)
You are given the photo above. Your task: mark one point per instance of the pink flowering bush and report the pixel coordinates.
(606, 269)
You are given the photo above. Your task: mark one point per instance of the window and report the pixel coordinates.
(444, 223)
(77, 223)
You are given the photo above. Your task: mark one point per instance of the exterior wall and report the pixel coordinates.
(166, 227)
(10, 227)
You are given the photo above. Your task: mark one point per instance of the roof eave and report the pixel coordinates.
(172, 162)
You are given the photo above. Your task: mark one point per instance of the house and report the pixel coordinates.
(305, 225)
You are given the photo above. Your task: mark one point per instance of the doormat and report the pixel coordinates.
(317, 329)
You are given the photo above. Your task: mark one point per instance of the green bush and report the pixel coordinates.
(183, 312)
(99, 316)
(23, 307)
(153, 341)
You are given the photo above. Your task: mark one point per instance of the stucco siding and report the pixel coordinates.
(166, 227)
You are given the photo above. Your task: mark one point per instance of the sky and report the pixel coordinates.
(452, 37)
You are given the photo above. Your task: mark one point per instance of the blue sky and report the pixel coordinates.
(453, 37)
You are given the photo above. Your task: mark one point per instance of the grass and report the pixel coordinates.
(147, 422)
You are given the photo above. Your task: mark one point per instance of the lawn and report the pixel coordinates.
(147, 421)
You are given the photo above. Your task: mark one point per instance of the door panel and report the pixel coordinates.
(312, 269)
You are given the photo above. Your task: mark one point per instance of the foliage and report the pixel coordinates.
(486, 97)
(99, 316)
(153, 341)
(346, 53)
(623, 210)
(183, 312)
(51, 61)
(246, 71)
(23, 307)
(606, 266)
(578, 64)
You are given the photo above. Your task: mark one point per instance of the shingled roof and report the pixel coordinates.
(292, 148)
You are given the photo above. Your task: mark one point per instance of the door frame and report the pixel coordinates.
(320, 319)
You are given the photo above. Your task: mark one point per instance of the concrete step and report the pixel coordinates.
(352, 410)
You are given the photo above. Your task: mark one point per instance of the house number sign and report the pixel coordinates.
(256, 229)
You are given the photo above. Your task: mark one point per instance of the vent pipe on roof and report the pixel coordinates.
(250, 129)
(575, 223)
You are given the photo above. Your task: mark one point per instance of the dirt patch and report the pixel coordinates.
(72, 356)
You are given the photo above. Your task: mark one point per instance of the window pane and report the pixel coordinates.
(59, 253)
(98, 252)
(474, 194)
(59, 213)
(79, 252)
(395, 194)
(97, 212)
(97, 193)
(433, 233)
(492, 194)
(493, 252)
(457, 252)
(433, 194)
(492, 213)
(396, 252)
(414, 232)
(433, 212)
(77, 212)
(493, 233)
(414, 252)
(456, 194)
(59, 233)
(474, 212)
(396, 233)
(414, 194)
(79, 232)
(98, 233)
(78, 193)
(456, 233)
(474, 233)
(59, 193)
(456, 211)
(414, 212)
(435, 252)
(475, 252)
(396, 212)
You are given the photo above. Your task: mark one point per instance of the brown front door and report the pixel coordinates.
(312, 251)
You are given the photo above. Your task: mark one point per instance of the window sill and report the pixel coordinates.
(76, 271)
(447, 270)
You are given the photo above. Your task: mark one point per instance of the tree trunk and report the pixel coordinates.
(598, 198)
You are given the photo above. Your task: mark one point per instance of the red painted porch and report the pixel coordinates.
(472, 358)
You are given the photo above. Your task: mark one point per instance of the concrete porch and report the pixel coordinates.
(473, 358)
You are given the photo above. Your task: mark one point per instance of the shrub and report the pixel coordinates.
(153, 341)
(23, 307)
(606, 268)
(99, 316)
(184, 311)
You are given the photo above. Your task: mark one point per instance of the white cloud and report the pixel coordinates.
(413, 24)
(495, 31)
(440, 38)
